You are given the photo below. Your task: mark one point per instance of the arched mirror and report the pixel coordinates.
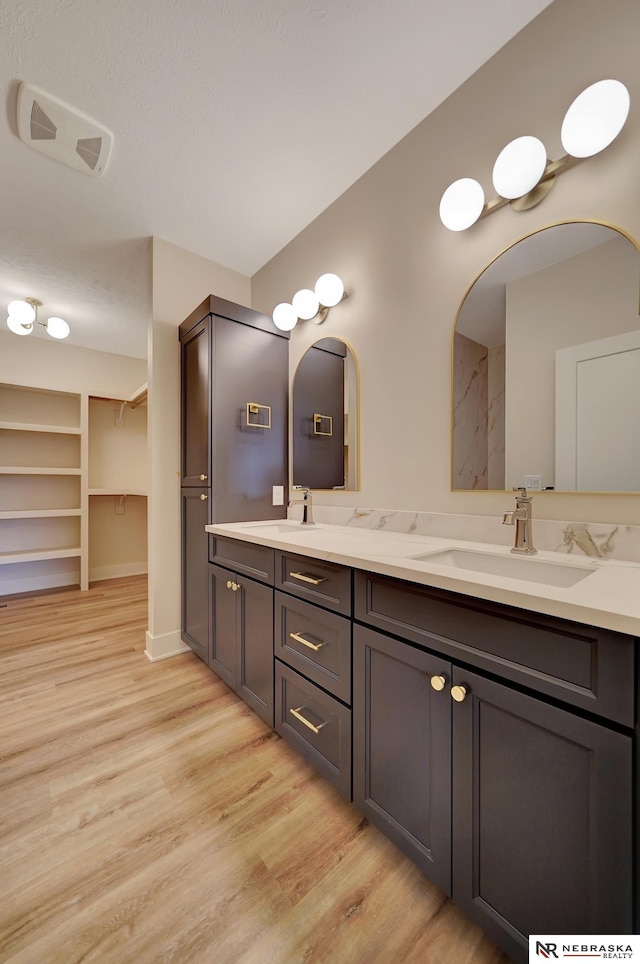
(546, 366)
(325, 417)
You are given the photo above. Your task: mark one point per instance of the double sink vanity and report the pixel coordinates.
(478, 706)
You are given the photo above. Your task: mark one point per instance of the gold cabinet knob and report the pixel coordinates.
(235, 586)
(458, 693)
(202, 477)
(438, 683)
(203, 496)
(229, 584)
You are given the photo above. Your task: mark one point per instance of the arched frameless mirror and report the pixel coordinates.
(325, 417)
(546, 366)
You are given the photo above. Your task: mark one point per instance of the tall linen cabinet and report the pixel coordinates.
(234, 418)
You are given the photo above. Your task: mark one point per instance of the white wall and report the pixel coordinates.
(585, 298)
(180, 281)
(407, 274)
(63, 367)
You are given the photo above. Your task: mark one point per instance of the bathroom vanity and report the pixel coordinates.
(486, 722)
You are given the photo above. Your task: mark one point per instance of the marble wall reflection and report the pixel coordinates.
(470, 405)
(478, 415)
(495, 417)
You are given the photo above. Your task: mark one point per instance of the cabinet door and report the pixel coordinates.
(255, 646)
(402, 748)
(195, 407)
(250, 366)
(195, 593)
(542, 817)
(224, 625)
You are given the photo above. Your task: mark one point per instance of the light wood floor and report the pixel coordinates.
(147, 815)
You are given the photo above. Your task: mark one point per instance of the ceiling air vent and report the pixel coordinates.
(42, 127)
(63, 133)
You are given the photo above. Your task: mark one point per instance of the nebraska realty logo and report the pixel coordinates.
(592, 947)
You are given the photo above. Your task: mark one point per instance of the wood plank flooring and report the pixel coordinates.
(147, 815)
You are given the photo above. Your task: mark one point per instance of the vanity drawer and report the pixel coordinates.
(315, 642)
(246, 557)
(316, 725)
(582, 665)
(320, 582)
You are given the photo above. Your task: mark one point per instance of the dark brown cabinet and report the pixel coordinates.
(521, 810)
(234, 411)
(402, 749)
(195, 505)
(312, 644)
(195, 409)
(542, 817)
(496, 747)
(241, 632)
(316, 725)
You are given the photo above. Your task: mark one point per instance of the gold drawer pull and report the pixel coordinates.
(298, 715)
(203, 496)
(303, 577)
(306, 642)
(202, 477)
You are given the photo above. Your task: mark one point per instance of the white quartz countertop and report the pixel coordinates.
(608, 596)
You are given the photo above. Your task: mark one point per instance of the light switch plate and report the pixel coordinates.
(277, 497)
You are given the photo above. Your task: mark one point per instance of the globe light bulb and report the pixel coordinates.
(329, 290)
(519, 166)
(595, 118)
(22, 312)
(461, 204)
(305, 304)
(57, 328)
(17, 327)
(285, 317)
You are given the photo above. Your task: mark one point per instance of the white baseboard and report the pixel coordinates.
(56, 580)
(161, 647)
(117, 571)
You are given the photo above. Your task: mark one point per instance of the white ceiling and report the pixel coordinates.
(235, 122)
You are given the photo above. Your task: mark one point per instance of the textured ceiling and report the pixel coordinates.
(235, 124)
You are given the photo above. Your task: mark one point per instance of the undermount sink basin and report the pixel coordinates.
(512, 566)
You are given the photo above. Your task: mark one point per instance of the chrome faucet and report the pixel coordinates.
(306, 503)
(521, 518)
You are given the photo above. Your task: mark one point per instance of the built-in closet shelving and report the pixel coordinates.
(117, 485)
(61, 455)
(41, 449)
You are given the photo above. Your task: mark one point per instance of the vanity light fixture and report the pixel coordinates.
(308, 305)
(522, 173)
(23, 315)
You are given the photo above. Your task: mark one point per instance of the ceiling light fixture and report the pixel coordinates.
(23, 315)
(522, 173)
(308, 305)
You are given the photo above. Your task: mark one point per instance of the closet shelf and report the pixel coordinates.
(32, 427)
(37, 470)
(121, 491)
(35, 555)
(139, 397)
(38, 513)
